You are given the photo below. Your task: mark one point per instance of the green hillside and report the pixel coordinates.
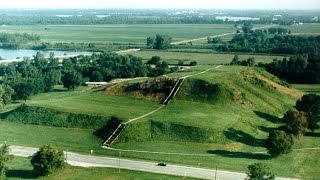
(218, 118)
(210, 104)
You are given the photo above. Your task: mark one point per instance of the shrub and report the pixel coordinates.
(279, 143)
(259, 171)
(47, 160)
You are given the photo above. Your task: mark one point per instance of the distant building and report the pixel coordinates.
(96, 84)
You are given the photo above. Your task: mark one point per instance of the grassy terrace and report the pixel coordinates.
(118, 33)
(84, 101)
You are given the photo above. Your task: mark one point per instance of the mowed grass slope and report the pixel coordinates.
(119, 33)
(84, 101)
(225, 128)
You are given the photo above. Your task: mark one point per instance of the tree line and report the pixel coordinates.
(296, 69)
(23, 79)
(271, 41)
(14, 40)
(86, 17)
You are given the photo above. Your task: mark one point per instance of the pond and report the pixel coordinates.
(21, 53)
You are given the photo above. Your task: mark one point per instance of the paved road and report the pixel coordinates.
(95, 161)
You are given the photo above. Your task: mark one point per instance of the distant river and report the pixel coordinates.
(21, 53)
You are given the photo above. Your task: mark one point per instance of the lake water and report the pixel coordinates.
(21, 53)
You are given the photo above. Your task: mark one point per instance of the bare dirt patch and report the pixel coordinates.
(292, 92)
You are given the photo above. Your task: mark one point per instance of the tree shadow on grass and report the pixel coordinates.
(23, 174)
(267, 129)
(245, 138)
(245, 155)
(268, 117)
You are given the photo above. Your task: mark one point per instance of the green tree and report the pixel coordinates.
(296, 122)
(71, 79)
(51, 78)
(4, 157)
(235, 60)
(251, 61)
(47, 160)
(154, 60)
(96, 76)
(162, 42)
(259, 171)
(8, 93)
(247, 27)
(278, 143)
(24, 90)
(150, 42)
(310, 104)
(2, 92)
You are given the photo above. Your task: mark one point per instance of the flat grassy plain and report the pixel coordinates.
(20, 168)
(201, 58)
(118, 33)
(305, 29)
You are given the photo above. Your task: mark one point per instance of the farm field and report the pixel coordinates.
(308, 88)
(118, 33)
(201, 58)
(305, 29)
(20, 168)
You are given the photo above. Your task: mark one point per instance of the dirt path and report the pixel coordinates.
(145, 115)
(127, 51)
(292, 92)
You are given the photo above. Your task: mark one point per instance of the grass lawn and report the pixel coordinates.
(119, 33)
(85, 101)
(20, 168)
(201, 58)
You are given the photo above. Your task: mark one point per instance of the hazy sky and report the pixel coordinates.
(207, 4)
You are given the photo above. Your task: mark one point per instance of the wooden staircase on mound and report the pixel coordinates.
(174, 91)
(121, 126)
(114, 135)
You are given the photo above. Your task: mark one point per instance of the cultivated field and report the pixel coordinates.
(201, 58)
(118, 33)
(305, 29)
